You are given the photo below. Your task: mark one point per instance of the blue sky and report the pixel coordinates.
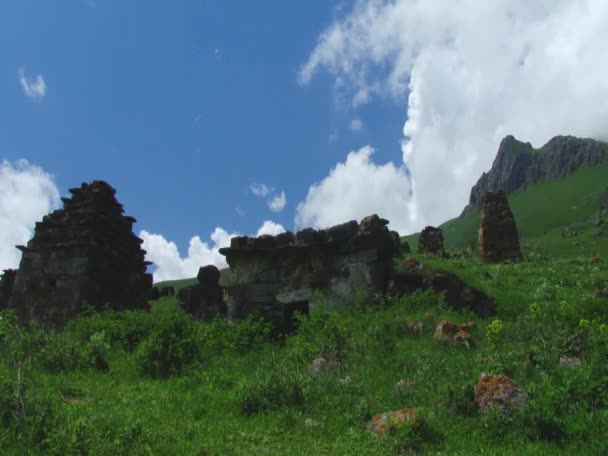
(179, 105)
(183, 106)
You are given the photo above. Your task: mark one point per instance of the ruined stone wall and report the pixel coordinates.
(277, 275)
(85, 252)
(205, 300)
(498, 238)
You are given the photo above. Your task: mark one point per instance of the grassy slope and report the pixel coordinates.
(123, 412)
(543, 212)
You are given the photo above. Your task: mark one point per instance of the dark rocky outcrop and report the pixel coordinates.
(277, 275)
(456, 293)
(85, 252)
(498, 238)
(431, 241)
(7, 281)
(205, 299)
(518, 165)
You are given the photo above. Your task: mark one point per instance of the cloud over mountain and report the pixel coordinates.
(469, 72)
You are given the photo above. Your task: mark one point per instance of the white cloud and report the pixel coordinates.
(471, 72)
(277, 202)
(27, 193)
(261, 190)
(270, 227)
(170, 265)
(34, 88)
(356, 124)
(355, 189)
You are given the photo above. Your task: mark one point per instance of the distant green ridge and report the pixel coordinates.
(544, 212)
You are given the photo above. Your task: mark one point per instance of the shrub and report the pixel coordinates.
(412, 436)
(64, 353)
(171, 347)
(271, 393)
(122, 329)
(222, 335)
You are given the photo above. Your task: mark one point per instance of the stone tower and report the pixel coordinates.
(85, 252)
(498, 238)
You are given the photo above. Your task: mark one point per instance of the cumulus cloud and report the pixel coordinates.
(169, 263)
(356, 124)
(27, 193)
(470, 73)
(270, 227)
(261, 190)
(277, 202)
(357, 188)
(34, 88)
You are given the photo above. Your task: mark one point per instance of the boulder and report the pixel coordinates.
(204, 301)
(380, 424)
(448, 331)
(498, 239)
(498, 391)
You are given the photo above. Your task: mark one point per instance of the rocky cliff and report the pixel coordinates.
(518, 165)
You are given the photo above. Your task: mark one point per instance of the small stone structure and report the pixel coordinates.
(85, 252)
(498, 239)
(277, 275)
(431, 241)
(7, 280)
(205, 299)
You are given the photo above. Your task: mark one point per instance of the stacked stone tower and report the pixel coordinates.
(431, 241)
(83, 253)
(498, 238)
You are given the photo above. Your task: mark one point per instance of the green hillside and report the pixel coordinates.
(553, 217)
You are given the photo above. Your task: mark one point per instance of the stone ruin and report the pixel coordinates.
(431, 241)
(498, 238)
(7, 280)
(83, 253)
(277, 275)
(205, 299)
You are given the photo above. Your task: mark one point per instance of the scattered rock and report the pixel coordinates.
(431, 241)
(404, 386)
(383, 422)
(204, 300)
(85, 252)
(570, 361)
(321, 365)
(453, 332)
(410, 264)
(498, 238)
(601, 294)
(596, 259)
(498, 390)
(415, 327)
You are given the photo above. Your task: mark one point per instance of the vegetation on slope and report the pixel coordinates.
(554, 218)
(160, 383)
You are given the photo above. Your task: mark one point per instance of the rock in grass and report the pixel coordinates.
(381, 423)
(448, 331)
(321, 364)
(570, 361)
(498, 391)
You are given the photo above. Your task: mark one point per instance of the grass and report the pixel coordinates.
(543, 213)
(246, 394)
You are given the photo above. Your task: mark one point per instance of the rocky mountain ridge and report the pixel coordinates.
(518, 165)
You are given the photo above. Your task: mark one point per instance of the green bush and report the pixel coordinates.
(63, 353)
(171, 347)
(271, 393)
(123, 329)
(224, 336)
